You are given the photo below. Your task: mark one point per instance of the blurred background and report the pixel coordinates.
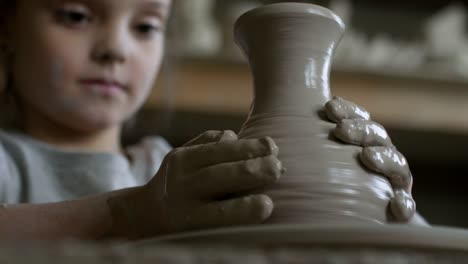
(404, 61)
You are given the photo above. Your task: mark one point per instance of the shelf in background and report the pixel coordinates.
(439, 73)
(407, 102)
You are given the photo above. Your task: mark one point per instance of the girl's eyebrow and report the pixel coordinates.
(52, 3)
(156, 4)
(159, 6)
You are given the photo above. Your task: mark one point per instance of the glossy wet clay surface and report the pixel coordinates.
(290, 47)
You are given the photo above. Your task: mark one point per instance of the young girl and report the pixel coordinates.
(75, 71)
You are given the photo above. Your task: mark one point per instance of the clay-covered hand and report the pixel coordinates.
(355, 126)
(204, 184)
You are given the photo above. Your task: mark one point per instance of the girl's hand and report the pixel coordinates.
(204, 183)
(354, 126)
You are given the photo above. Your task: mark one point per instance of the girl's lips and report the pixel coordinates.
(103, 87)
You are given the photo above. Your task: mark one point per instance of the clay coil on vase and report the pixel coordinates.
(326, 199)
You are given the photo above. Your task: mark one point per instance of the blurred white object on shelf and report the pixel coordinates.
(447, 40)
(228, 14)
(445, 32)
(343, 8)
(197, 31)
(377, 53)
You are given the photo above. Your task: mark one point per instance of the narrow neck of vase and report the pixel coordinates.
(290, 55)
(286, 84)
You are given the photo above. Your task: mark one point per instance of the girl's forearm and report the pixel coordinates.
(90, 218)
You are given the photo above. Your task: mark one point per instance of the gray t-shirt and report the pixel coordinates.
(35, 172)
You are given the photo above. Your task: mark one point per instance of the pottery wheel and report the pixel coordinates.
(429, 238)
(341, 244)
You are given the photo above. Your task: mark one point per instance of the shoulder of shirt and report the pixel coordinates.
(9, 170)
(2, 150)
(154, 144)
(10, 142)
(148, 155)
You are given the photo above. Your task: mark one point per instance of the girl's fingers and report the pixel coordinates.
(393, 165)
(338, 109)
(362, 132)
(354, 127)
(234, 177)
(402, 206)
(212, 136)
(199, 156)
(252, 209)
(389, 162)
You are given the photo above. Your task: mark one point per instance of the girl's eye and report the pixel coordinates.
(147, 29)
(72, 17)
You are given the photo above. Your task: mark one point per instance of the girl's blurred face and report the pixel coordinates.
(86, 64)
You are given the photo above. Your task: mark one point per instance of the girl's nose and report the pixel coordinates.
(111, 46)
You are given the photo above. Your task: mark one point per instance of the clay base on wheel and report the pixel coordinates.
(381, 236)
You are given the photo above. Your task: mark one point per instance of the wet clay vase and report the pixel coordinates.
(290, 49)
(327, 207)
